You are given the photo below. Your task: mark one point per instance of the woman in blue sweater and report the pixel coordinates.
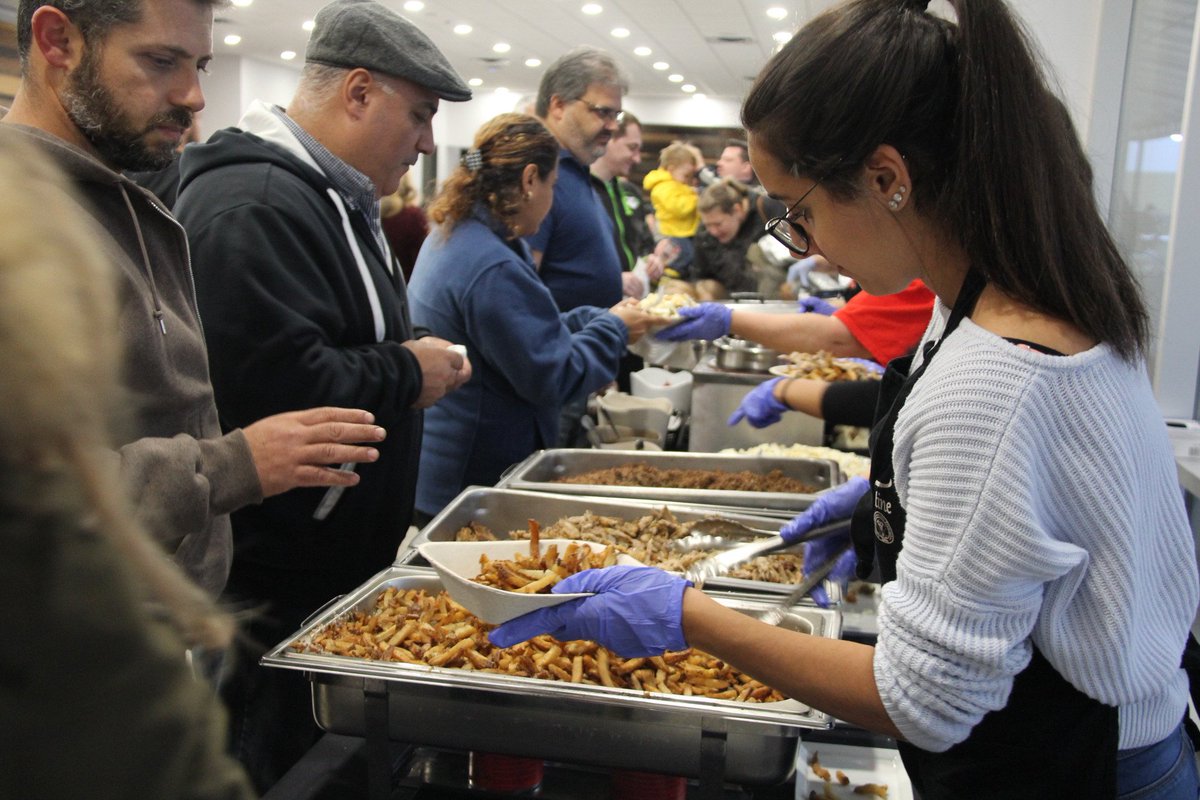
(475, 283)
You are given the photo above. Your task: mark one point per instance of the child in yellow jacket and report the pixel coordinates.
(674, 198)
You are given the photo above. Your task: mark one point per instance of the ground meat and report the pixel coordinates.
(724, 480)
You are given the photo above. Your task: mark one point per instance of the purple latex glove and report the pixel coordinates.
(705, 321)
(835, 504)
(815, 305)
(760, 407)
(818, 552)
(635, 611)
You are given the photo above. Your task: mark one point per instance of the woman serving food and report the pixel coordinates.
(1039, 573)
(475, 283)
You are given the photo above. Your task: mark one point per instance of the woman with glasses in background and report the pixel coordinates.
(475, 283)
(1039, 571)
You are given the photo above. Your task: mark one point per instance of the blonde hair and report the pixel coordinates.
(726, 195)
(677, 154)
(404, 196)
(60, 346)
(506, 144)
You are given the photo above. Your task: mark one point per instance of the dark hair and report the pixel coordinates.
(570, 76)
(740, 144)
(94, 18)
(624, 121)
(506, 145)
(994, 158)
(726, 194)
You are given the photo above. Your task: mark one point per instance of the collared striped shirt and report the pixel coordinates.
(356, 189)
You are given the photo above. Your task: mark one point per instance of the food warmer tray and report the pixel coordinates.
(584, 724)
(504, 510)
(537, 472)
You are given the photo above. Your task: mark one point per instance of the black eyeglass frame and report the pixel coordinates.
(606, 113)
(772, 225)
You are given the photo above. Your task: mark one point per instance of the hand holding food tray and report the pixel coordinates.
(500, 580)
(665, 307)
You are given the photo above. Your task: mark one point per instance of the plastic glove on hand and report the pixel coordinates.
(833, 505)
(817, 553)
(760, 407)
(815, 305)
(635, 611)
(797, 274)
(705, 321)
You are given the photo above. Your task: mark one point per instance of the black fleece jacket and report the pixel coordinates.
(290, 326)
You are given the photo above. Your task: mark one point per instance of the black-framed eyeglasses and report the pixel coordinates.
(792, 235)
(606, 113)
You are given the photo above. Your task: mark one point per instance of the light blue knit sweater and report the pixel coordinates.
(1043, 507)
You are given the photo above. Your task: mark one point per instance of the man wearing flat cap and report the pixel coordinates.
(304, 304)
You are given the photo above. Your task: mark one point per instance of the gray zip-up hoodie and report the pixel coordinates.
(183, 475)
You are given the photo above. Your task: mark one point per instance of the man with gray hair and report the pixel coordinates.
(579, 100)
(302, 299)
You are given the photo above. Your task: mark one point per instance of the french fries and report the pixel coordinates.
(535, 574)
(417, 627)
(827, 783)
(822, 366)
(647, 539)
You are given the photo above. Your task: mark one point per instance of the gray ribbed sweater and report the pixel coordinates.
(1043, 507)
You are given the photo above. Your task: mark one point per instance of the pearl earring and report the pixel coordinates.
(897, 198)
(528, 196)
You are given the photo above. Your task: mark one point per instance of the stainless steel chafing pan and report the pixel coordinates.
(597, 725)
(538, 472)
(504, 510)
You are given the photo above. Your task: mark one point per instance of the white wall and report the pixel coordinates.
(235, 81)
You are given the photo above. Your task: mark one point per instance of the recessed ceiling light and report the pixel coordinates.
(242, 3)
(1176, 137)
(501, 47)
(232, 39)
(288, 55)
(661, 65)
(687, 87)
(414, 5)
(699, 96)
(309, 24)
(782, 36)
(592, 9)
(642, 51)
(675, 77)
(533, 62)
(475, 82)
(462, 29)
(620, 33)
(501, 90)
(776, 12)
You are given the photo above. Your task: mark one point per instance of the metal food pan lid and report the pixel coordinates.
(786, 713)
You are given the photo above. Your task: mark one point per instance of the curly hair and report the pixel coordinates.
(506, 144)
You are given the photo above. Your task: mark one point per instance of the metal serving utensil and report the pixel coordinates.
(721, 563)
(775, 614)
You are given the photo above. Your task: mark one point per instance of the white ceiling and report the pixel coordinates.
(684, 33)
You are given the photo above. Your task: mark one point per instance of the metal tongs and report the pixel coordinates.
(722, 563)
(775, 614)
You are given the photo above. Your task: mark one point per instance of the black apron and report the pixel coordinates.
(1050, 740)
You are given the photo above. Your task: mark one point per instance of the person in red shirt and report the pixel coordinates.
(878, 327)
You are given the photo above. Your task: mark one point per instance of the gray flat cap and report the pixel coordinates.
(364, 33)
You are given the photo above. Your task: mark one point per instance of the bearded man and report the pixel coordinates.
(110, 85)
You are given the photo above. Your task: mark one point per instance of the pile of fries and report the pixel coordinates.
(647, 539)
(823, 366)
(416, 627)
(537, 572)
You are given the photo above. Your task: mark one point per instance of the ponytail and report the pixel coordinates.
(994, 159)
